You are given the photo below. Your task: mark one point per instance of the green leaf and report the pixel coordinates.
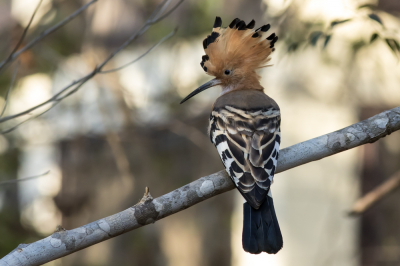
(336, 22)
(397, 45)
(376, 18)
(293, 47)
(314, 36)
(370, 6)
(374, 37)
(358, 45)
(392, 44)
(327, 39)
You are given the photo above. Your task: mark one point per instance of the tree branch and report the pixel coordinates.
(172, 33)
(11, 129)
(376, 195)
(14, 181)
(9, 90)
(149, 210)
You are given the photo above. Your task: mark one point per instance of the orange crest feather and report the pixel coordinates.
(237, 47)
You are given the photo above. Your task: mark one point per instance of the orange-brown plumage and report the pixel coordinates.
(240, 50)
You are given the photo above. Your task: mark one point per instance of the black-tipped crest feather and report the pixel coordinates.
(233, 23)
(218, 22)
(251, 24)
(265, 28)
(241, 25)
(205, 44)
(271, 37)
(230, 47)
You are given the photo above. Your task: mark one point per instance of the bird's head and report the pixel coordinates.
(233, 55)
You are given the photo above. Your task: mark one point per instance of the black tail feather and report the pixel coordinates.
(261, 232)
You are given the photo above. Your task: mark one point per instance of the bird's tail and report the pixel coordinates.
(261, 232)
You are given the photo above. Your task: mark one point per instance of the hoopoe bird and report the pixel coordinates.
(245, 124)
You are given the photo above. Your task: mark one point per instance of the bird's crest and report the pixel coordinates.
(237, 46)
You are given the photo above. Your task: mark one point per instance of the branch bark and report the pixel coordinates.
(149, 210)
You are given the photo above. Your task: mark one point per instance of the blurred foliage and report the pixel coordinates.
(324, 34)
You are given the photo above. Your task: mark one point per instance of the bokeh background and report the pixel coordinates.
(336, 62)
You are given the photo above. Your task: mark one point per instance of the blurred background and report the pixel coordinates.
(336, 63)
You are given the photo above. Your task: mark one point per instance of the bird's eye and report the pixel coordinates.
(227, 72)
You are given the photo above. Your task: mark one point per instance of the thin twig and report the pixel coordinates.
(169, 12)
(57, 97)
(139, 33)
(87, 78)
(13, 181)
(10, 57)
(146, 197)
(14, 55)
(376, 195)
(9, 90)
(26, 120)
(158, 10)
(141, 56)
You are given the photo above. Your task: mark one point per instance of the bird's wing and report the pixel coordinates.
(248, 144)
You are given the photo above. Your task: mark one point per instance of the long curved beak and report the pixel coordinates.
(211, 83)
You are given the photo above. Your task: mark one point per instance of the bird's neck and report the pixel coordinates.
(245, 84)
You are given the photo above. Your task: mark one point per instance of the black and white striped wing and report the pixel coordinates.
(248, 144)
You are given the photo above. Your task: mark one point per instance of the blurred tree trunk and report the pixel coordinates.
(380, 232)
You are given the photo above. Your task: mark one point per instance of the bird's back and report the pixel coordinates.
(245, 128)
